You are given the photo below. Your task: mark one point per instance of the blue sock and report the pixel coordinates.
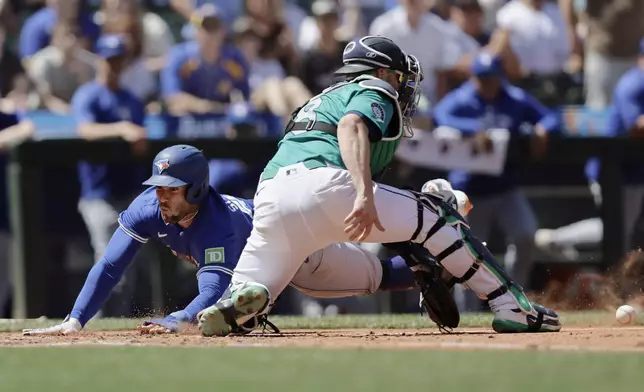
(396, 275)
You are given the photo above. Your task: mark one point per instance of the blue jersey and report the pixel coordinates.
(214, 240)
(212, 243)
(464, 109)
(93, 102)
(186, 72)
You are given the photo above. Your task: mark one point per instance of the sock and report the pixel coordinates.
(396, 275)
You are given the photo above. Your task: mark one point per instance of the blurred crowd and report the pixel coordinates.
(109, 63)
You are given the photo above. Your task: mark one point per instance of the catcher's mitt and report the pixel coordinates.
(434, 283)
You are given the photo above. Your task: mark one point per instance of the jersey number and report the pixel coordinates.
(308, 112)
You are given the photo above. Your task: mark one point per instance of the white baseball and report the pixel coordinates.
(625, 314)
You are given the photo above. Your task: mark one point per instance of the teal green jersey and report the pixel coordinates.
(372, 99)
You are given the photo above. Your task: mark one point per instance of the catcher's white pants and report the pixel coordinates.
(302, 210)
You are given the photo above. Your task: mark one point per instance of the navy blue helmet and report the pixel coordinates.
(182, 165)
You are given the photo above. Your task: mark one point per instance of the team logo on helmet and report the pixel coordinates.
(162, 165)
(350, 46)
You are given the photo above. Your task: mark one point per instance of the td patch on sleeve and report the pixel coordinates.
(378, 112)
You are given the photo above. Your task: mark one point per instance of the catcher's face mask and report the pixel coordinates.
(409, 91)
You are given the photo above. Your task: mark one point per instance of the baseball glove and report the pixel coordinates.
(434, 284)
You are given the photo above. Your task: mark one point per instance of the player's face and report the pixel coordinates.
(391, 77)
(172, 202)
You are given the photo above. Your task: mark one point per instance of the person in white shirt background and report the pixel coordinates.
(415, 30)
(538, 34)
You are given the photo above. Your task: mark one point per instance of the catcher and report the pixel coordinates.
(209, 230)
(318, 189)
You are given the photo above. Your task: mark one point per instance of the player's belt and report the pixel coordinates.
(312, 126)
(311, 163)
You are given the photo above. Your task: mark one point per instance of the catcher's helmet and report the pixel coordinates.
(181, 165)
(375, 52)
(372, 52)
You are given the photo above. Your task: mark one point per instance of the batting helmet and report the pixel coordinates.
(181, 165)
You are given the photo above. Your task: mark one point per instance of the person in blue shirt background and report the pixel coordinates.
(13, 129)
(485, 102)
(625, 119)
(102, 109)
(207, 230)
(38, 28)
(204, 81)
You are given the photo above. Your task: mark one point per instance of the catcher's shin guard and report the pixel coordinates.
(436, 297)
(480, 255)
(513, 311)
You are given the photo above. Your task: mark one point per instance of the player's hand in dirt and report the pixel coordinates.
(67, 327)
(362, 219)
(169, 324)
(152, 329)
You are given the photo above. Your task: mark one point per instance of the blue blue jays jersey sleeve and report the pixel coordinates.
(139, 219)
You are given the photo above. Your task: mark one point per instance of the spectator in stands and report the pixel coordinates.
(488, 102)
(9, 62)
(152, 35)
(351, 23)
(539, 38)
(469, 37)
(8, 20)
(274, 23)
(271, 89)
(37, 29)
(61, 68)
(204, 76)
(204, 79)
(230, 10)
(417, 31)
(538, 34)
(103, 109)
(490, 9)
(468, 16)
(614, 29)
(13, 129)
(149, 39)
(320, 62)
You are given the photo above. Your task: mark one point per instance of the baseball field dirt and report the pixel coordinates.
(352, 353)
(615, 339)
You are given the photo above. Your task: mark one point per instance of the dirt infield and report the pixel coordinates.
(573, 339)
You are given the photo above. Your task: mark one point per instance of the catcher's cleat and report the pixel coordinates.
(541, 319)
(225, 316)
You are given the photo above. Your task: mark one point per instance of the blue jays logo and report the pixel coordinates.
(162, 165)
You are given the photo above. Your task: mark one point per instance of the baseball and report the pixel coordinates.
(625, 314)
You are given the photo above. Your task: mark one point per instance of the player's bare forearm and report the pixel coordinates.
(355, 150)
(183, 103)
(96, 131)
(16, 134)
